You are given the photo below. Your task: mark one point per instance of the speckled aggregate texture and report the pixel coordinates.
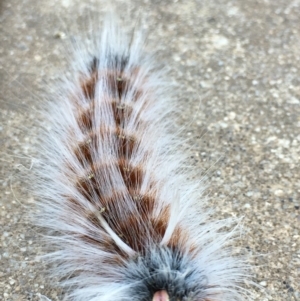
(238, 69)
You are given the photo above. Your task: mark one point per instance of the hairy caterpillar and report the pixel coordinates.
(124, 217)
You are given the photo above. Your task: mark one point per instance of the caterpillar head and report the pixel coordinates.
(164, 274)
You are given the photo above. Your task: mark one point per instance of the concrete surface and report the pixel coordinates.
(237, 63)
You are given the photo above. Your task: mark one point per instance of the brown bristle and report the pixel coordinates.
(121, 112)
(144, 203)
(132, 176)
(124, 144)
(134, 223)
(85, 117)
(118, 83)
(160, 224)
(88, 86)
(177, 235)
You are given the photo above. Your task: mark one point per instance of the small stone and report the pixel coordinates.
(176, 58)
(205, 84)
(249, 193)
(5, 255)
(293, 101)
(60, 35)
(232, 115)
(219, 41)
(278, 192)
(38, 58)
(12, 281)
(263, 283)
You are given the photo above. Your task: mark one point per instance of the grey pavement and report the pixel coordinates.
(238, 71)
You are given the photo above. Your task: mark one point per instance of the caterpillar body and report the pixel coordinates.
(125, 220)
